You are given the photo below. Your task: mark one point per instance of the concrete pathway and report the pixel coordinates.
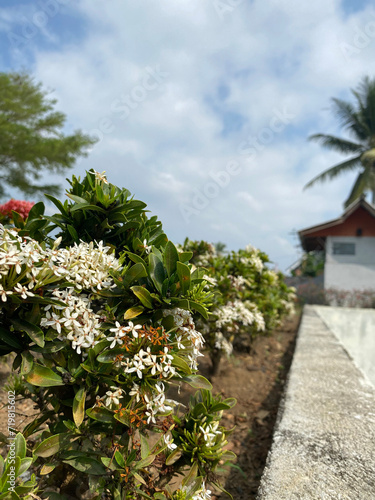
(324, 443)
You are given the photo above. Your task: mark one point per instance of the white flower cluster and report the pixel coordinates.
(186, 337)
(223, 344)
(204, 259)
(288, 306)
(210, 433)
(271, 276)
(145, 362)
(84, 265)
(210, 279)
(76, 321)
(239, 312)
(253, 261)
(156, 403)
(237, 282)
(26, 266)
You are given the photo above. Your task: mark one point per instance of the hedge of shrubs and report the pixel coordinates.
(103, 314)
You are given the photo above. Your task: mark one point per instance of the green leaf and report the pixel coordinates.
(87, 206)
(198, 382)
(109, 355)
(170, 258)
(181, 363)
(145, 462)
(184, 276)
(134, 273)
(87, 465)
(192, 474)
(100, 414)
(199, 308)
(173, 457)
(47, 468)
(43, 377)
(136, 258)
(25, 464)
(185, 256)
(156, 269)
(76, 198)
(123, 418)
(36, 211)
(33, 331)
(52, 445)
(108, 462)
(58, 204)
(20, 446)
(119, 459)
(133, 312)
(50, 347)
(145, 447)
(18, 220)
(73, 233)
(9, 338)
(79, 406)
(143, 295)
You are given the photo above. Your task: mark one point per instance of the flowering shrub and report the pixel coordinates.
(249, 297)
(21, 207)
(100, 320)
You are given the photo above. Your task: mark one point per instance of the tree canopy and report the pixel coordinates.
(32, 137)
(359, 121)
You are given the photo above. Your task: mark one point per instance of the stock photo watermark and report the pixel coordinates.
(212, 189)
(11, 445)
(122, 107)
(248, 149)
(32, 25)
(362, 38)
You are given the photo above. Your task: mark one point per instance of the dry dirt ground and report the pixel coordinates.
(256, 379)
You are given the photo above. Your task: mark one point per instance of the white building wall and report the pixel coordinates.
(348, 272)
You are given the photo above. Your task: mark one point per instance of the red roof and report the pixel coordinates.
(357, 220)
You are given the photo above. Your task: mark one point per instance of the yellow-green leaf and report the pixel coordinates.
(79, 407)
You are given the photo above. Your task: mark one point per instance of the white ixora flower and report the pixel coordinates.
(100, 176)
(4, 293)
(133, 329)
(170, 444)
(202, 494)
(113, 397)
(147, 248)
(23, 291)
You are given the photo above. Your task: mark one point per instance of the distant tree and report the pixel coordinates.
(359, 121)
(220, 247)
(32, 141)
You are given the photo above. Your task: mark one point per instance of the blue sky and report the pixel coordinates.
(203, 107)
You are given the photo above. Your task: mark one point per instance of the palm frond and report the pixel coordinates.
(350, 119)
(337, 144)
(361, 183)
(333, 172)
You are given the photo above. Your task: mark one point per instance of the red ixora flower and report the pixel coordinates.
(22, 207)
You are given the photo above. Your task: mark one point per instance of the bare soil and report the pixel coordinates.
(256, 379)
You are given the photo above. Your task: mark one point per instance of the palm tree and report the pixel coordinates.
(359, 121)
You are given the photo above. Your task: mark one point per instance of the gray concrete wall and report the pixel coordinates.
(355, 329)
(324, 442)
(348, 272)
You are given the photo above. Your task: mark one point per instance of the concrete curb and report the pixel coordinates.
(324, 443)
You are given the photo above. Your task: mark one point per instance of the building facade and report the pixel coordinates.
(349, 245)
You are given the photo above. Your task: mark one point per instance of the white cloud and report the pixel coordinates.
(269, 57)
